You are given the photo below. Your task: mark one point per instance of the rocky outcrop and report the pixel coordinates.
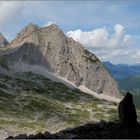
(127, 111)
(100, 130)
(49, 47)
(3, 41)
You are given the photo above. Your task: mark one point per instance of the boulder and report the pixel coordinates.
(21, 136)
(47, 134)
(127, 111)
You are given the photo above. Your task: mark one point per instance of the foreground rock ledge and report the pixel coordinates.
(102, 129)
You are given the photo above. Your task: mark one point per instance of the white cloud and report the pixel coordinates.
(136, 55)
(10, 11)
(94, 38)
(119, 30)
(101, 38)
(115, 47)
(49, 23)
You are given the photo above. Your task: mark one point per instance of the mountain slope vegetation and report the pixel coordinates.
(31, 103)
(128, 77)
(120, 71)
(131, 83)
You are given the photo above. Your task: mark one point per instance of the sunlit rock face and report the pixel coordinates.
(50, 49)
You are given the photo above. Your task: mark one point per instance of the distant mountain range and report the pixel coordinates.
(128, 76)
(120, 71)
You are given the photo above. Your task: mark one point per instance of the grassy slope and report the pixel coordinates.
(32, 101)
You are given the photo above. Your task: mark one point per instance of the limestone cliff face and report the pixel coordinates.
(3, 40)
(49, 48)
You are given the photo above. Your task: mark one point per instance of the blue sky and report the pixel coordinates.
(110, 29)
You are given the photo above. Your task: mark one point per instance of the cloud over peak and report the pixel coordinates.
(114, 46)
(49, 23)
(101, 37)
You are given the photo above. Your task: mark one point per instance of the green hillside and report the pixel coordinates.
(34, 103)
(131, 83)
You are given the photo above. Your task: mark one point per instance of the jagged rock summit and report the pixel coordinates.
(3, 40)
(48, 49)
(31, 27)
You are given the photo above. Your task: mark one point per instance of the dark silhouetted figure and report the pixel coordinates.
(127, 111)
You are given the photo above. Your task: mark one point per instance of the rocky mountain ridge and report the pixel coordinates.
(41, 49)
(98, 130)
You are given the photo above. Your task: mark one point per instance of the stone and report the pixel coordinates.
(39, 136)
(127, 111)
(10, 137)
(47, 134)
(31, 136)
(21, 136)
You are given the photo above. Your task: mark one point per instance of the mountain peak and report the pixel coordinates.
(31, 24)
(31, 27)
(50, 24)
(53, 25)
(33, 33)
(53, 50)
(3, 40)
